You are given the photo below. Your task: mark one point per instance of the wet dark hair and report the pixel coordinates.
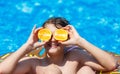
(57, 21)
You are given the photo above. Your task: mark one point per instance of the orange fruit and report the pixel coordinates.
(61, 35)
(44, 34)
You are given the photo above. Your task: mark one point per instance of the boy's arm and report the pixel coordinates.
(10, 63)
(105, 59)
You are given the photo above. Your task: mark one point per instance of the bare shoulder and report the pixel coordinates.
(78, 54)
(25, 65)
(30, 60)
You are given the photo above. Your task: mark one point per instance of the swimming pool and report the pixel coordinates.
(96, 20)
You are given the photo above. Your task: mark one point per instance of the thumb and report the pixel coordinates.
(39, 44)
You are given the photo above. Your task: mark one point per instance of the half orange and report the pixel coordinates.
(61, 35)
(44, 34)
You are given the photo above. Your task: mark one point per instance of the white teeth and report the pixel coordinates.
(53, 44)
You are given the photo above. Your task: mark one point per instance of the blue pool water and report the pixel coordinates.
(96, 20)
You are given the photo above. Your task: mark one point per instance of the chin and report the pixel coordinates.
(52, 51)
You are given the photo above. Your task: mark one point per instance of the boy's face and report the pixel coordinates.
(52, 46)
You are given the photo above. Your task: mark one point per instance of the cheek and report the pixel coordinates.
(61, 46)
(46, 46)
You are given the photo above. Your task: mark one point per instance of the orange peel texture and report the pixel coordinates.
(44, 34)
(61, 35)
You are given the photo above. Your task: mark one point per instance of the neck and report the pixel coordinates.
(56, 58)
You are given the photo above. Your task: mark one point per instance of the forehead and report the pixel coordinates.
(51, 27)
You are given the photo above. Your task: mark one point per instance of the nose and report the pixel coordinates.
(52, 38)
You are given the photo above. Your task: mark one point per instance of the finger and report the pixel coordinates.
(34, 27)
(70, 34)
(32, 32)
(66, 28)
(36, 30)
(73, 30)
